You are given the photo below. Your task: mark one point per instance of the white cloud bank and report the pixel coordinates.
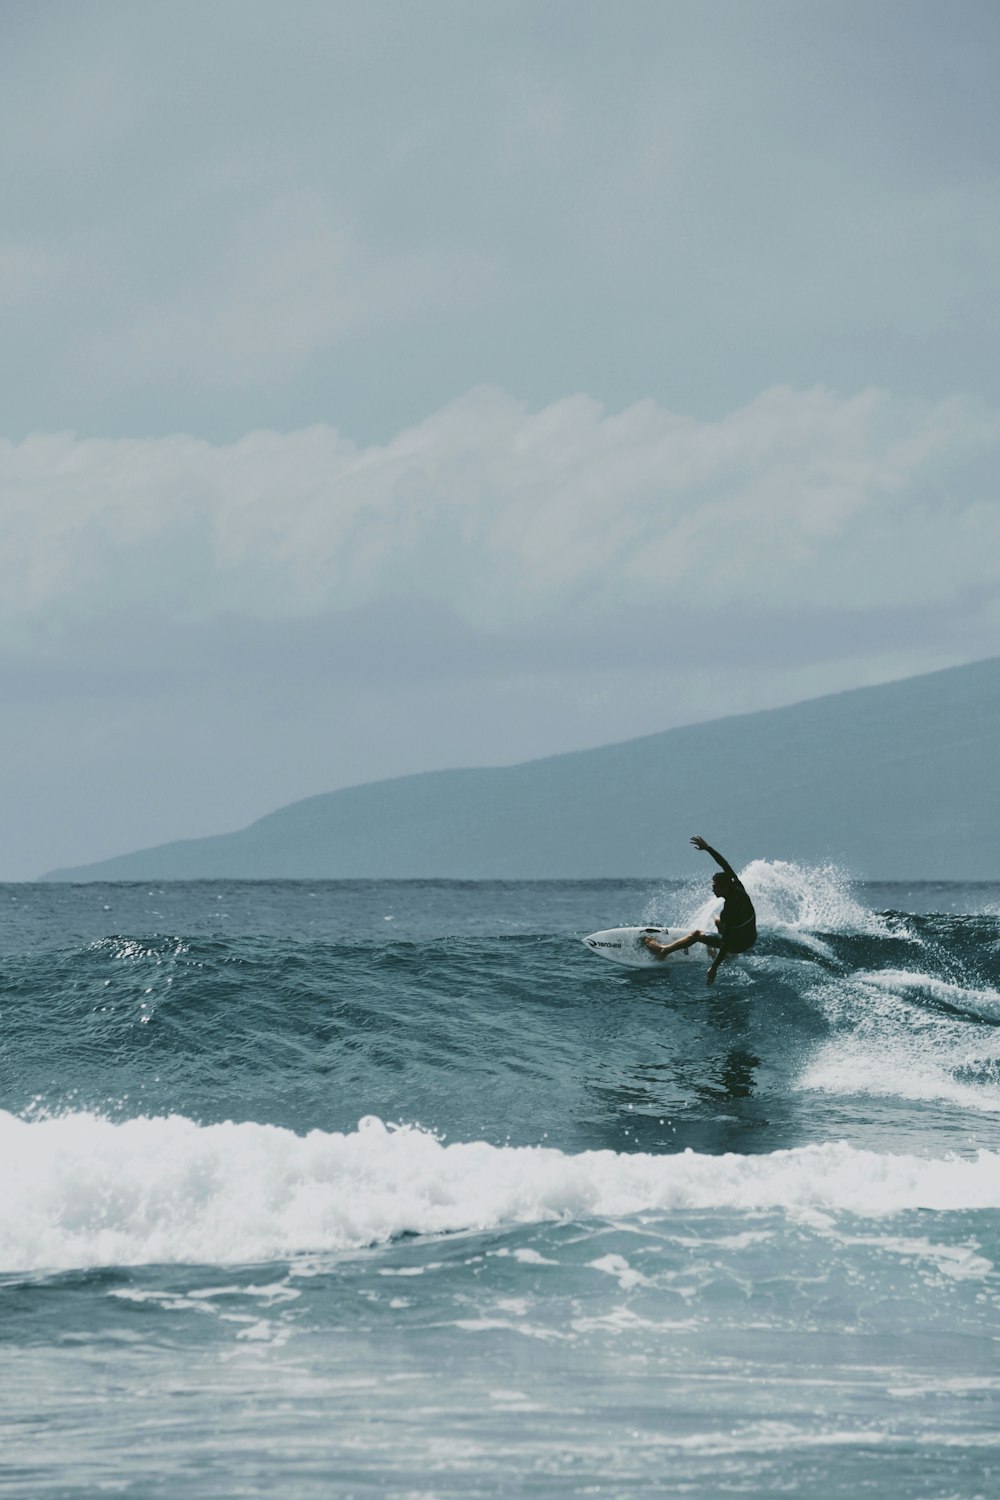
(509, 518)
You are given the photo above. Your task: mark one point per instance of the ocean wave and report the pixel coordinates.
(909, 1035)
(978, 1002)
(522, 1037)
(81, 1191)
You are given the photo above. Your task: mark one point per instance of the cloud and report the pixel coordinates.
(508, 518)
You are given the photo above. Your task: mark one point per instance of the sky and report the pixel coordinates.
(394, 387)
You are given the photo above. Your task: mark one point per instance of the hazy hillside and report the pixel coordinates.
(897, 781)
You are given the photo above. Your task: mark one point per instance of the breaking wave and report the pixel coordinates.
(82, 1191)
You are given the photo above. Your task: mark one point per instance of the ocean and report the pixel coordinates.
(357, 1189)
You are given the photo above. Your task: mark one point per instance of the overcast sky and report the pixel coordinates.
(393, 386)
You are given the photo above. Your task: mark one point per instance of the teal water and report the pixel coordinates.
(396, 1189)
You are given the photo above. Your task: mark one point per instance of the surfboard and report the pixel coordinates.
(624, 945)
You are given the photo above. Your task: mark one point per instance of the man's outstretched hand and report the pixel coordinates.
(699, 842)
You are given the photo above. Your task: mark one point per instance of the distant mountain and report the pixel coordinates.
(893, 782)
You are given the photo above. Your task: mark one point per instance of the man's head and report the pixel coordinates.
(722, 884)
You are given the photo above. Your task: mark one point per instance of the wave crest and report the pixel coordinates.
(82, 1191)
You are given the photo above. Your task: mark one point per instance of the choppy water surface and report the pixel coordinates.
(398, 1190)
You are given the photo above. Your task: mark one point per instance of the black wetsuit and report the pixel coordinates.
(738, 921)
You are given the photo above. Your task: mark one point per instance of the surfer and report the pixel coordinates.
(736, 923)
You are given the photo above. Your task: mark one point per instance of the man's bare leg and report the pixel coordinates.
(660, 950)
(713, 968)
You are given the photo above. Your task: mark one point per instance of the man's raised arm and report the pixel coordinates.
(699, 843)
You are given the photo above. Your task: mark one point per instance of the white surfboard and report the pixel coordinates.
(624, 945)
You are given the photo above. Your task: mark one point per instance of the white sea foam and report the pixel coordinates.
(971, 1000)
(958, 1262)
(886, 1045)
(890, 1071)
(79, 1190)
(811, 898)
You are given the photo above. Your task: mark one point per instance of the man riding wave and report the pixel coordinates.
(736, 923)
